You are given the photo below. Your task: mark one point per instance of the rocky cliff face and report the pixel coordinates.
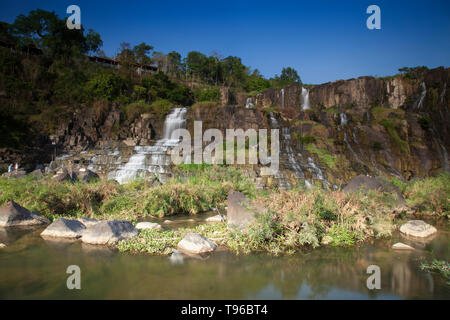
(394, 126)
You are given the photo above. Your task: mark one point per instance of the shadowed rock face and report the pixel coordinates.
(393, 126)
(12, 214)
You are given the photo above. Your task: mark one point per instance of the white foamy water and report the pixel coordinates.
(305, 99)
(152, 159)
(422, 95)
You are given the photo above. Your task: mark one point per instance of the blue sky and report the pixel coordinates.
(323, 40)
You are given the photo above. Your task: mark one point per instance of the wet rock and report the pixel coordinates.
(148, 226)
(418, 229)
(88, 221)
(240, 211)
(86, 175)
(64, 228)
(217, 218)
(370, 183)
(195, 243)
(401, 246)
(12, 214)
(108, 232)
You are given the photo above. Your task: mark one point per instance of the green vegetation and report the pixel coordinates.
(391, 128)
(324, 155)
(429, 195)
(200, 191)
(440, 266)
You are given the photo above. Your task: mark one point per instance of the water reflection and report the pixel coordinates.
(32, 267)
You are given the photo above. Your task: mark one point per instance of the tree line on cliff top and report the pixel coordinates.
(45, 75)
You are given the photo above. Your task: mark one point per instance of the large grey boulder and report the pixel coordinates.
(12, 214)
(109, 232)
(195, 243)
(418, 229)
(64, 228)
(148, 226)
(241, 212)
(86, 175)
(363, 182)
(37, 173)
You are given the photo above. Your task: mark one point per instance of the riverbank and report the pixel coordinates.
(292, 220)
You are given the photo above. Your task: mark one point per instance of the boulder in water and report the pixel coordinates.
(418, 229)
(12, 214)
(109, 232)
(401, 246)
(195, 243)
(64, 228)
(148, 226)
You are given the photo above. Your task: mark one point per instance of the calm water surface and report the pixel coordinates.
(34, 268)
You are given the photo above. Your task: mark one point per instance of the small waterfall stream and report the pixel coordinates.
(282, 98)
(305, 99)
(152, 159)
(422, 95)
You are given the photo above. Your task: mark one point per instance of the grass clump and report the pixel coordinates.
(440, 266)
(429, 195)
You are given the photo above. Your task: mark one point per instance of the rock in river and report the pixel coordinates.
(2, 245)
(401, 246)
(148, 225)
(195, 243)
(12, 214)
(64, 228)
(418, 229)
(217, 218)
(108, 232)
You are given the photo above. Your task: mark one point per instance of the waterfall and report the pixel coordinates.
(305, 99)
(422, 95)
(443, 153)
(152, 159)
(282, 98)
(443, 93)
(351, 149)
(249, 103)
(344, 120)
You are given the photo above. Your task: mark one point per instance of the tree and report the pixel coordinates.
(45, 30)
(142, 53)
(175, 67)
(289, 75)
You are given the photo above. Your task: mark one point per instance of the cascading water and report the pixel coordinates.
(343, 118)
(443, 93)
(282, 98)
(422, 95)
(249, 103)
(305, 99)
(152, 159)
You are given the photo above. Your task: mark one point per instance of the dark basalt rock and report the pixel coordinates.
(12, 214)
